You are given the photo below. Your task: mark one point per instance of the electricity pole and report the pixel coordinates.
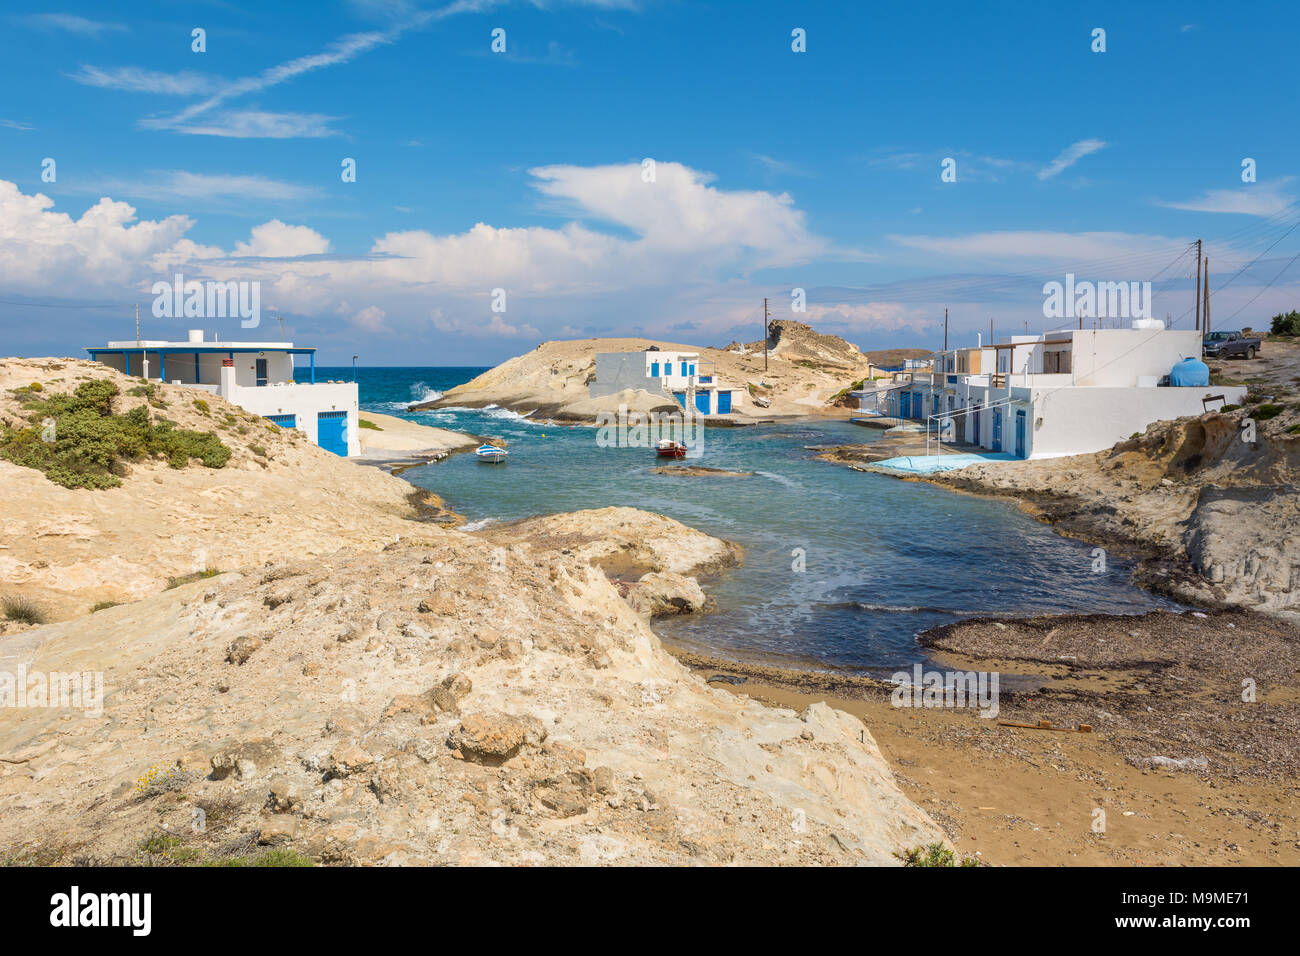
(945, 330)
(1198, 285)
(1207, 297)
(137, 323)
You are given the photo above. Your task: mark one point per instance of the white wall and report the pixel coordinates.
(303, 401)
(1118, 357)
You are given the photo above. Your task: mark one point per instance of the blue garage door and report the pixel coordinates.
(724, 403)
(332, 432)
(284, 421)
(1020, 434)
(702, 402)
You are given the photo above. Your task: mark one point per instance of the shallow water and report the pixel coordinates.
(882, 559)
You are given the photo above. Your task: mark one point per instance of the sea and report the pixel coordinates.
(842, 568)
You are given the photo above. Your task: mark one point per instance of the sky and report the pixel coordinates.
(526, 171)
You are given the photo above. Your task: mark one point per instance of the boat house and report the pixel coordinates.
(680, 375)
(1059, 393)
(256, 376)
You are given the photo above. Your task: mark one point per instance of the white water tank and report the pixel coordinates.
(196, 335)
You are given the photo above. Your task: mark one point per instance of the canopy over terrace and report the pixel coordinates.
(195, 351)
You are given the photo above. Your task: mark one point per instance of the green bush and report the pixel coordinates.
(362, 423)
(1263, 413)
(935, 854)
(201, 405)
(1287, 323)
(89, 446)
(104, 606)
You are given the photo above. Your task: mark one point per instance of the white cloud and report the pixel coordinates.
(12, 124)
(250, 124)
(676, 239)
(137, 80)
(1250, 199)
(182, 185)
(73, 24)
(1069, 156)
(371, 318)
(1043, 244)
(46, 252)
(276, 239)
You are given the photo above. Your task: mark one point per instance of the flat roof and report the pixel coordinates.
(154, 346)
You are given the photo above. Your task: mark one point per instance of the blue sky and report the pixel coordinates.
(523, 170)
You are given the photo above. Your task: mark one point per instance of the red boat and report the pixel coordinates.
(667, 448)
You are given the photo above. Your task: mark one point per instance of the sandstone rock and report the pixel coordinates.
(277, 831)
(242, 648)
(493, 739)
(283, 796)
(662, 593)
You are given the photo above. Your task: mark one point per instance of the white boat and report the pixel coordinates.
(491, 454)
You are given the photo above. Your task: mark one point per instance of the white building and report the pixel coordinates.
(256, 376)
(1058, 393)
(678, 375)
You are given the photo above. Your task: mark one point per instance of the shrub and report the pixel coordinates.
(935, 854)
(257, 450)
(201, 405)
(104, 606)
(90, 445)
(175, 582)
(1287, 323)
(1263, 413)
(23, 609)
(361, 422)
(278, 857)
(36, 387)
(1229, 408)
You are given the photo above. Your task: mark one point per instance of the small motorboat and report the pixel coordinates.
(667, 448)
(491, 454)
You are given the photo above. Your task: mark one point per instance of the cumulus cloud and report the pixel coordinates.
(276, 239)
(678, 233)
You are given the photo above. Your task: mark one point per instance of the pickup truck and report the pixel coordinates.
(1224, 344)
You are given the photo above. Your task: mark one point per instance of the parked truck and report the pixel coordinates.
(1225, 344)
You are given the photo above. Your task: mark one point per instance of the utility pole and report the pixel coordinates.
(137, 323)
(1198, 285)
(1207, 297)
(945, 330)
(990, 331)
(764, 333)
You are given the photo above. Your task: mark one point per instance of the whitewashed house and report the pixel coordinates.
(256, 376)
(1060, 393)
(680, 376)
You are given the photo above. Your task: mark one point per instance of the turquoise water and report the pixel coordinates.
(883, 559)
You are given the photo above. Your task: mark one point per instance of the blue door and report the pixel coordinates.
(332, 432)
(654, 369)
(724, 403)
(284, 421)
(997, 430)
(1020, 434)
(681, 398)
(261, 371)
(918, 405)
(702, 402)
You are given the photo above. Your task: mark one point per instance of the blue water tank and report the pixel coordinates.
(1190, 372)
